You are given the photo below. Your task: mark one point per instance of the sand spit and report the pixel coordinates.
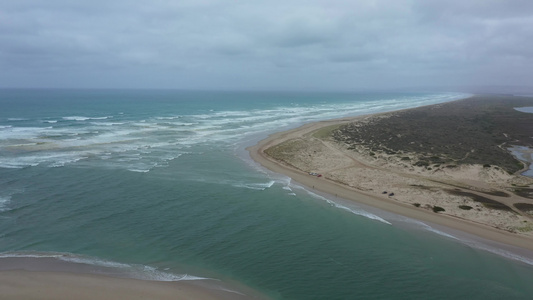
(27, 285)
(458, 186)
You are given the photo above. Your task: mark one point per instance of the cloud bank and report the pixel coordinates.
(208, 44)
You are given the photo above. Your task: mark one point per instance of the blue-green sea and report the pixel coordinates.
(158, 184)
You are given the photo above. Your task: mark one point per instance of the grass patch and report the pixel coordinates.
(526, 228)
(526, 208)
(422, 163)
(285, 150)
(524, 192)
(325, 132)
(489, 203)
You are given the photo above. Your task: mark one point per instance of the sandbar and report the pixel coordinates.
(27, 285)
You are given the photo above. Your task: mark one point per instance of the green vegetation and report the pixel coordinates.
(416, 204)
(285, 150)
(421, 163)
(465, 207)
(325, 132)
(437, 209)
(472, 131)
(489, 203)
(526, 228)
(524, 192)
(525, 208)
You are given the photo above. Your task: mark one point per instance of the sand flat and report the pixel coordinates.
(27, 285)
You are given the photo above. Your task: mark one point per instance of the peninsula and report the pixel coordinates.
(454, 164)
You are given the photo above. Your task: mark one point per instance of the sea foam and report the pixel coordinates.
(354, 210)
(135, 271)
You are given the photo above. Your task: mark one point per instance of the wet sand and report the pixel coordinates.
(27, 285)
(39, 277)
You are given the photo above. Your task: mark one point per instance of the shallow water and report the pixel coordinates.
(158, 182)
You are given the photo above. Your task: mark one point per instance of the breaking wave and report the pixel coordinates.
(135, 271)
(75, 139)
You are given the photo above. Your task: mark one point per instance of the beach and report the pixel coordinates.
(391, 181)
(57, 286)
(33, 276)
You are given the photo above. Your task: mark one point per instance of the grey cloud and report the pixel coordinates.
(274, 44)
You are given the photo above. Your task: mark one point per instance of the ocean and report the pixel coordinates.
(157, 185)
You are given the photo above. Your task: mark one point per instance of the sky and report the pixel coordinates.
(265, 45)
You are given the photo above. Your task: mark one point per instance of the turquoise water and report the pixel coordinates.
(159, 182)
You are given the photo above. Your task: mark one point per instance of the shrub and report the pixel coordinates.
(421, 163)
(438, 209)
(416, 204)
(465, 207)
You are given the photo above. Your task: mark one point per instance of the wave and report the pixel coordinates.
(503, 253)
(136, 271)
(82, 118)
(4, 201)
(474, 242)
(428, 228)
(139, 170)
(353, 210)
(228, 127)
(255, 186)
(107, 123)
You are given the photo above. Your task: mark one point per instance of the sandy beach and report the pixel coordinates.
(35, 277)
(391, 181)
(57, 286)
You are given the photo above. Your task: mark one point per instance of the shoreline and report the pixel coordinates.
(20, 284)
(44, 276)
(339, 190)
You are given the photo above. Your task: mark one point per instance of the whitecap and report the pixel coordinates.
(83, 118)
(136, 271)
(4, 201)
(107, 123)
(255, 186)
(139, 170)
(353, 210)
(62, 163)
(151, 273)
(428, 228)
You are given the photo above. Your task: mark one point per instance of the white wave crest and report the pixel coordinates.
(136, 271)
(255, 186)
(82, 118)
(353, 210)
(4, 201)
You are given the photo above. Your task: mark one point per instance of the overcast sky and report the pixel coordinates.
(274, 44)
